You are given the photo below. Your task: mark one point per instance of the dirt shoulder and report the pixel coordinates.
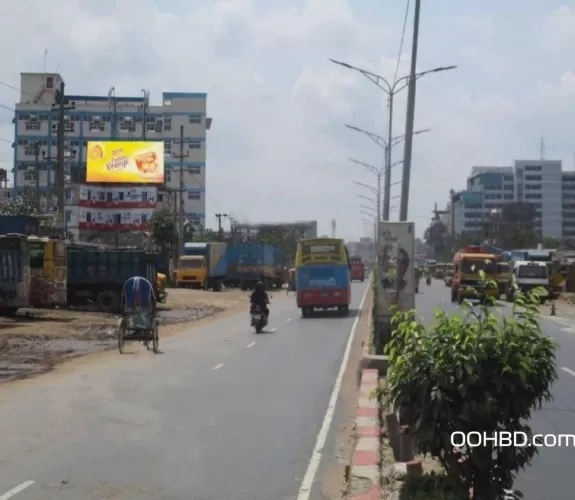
(36, 340)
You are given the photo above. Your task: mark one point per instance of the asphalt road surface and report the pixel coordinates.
(223, 414)
(547, 478)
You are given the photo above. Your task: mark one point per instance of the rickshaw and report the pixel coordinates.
(291, 280)
(138, 322)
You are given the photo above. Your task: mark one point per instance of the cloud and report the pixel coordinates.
(278, 149)
(559, 28)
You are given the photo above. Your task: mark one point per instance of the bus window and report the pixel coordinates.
(36, 255)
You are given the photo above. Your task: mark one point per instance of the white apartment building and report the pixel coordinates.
(94, 208)
(538, 182)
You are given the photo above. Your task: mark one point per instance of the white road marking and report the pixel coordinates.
(251, 344)
(314, 463)
(565, 369)
(217, 367)
(16, 490)
(288, 320)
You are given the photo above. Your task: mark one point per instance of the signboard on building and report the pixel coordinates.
(396, 276)
(118, 197)
(135, 162)
(110, 220)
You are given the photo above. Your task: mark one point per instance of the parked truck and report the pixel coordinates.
(280, 267)
(14, 273)
(202, 265)
(96, 276)
(249, 263)
(21, 224)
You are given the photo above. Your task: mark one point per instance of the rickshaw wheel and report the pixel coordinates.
(121, 335)
(156, 338)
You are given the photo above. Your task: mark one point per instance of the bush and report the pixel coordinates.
(471, 373)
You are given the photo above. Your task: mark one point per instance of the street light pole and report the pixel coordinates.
(379, 172)
(390, 90)
(408, 148)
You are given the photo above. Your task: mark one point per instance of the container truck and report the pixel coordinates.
(14, 273)
(96, 276)
(21, 224)
(280, 267)
(249, 263)
(202, 265)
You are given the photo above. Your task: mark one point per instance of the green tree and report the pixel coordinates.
(25, 204)
(438, 240)
(472, 374)
(164, 231)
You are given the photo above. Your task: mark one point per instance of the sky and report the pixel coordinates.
(278, 149)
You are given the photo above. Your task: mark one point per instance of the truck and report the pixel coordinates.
(21, 224)
(249, 263)
(527, 277)
(97, 276)
(357, 268)
(203, 266)
(14, 273)
(280, 267)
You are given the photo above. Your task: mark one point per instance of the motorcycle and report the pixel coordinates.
(428, 281)
(259, 319)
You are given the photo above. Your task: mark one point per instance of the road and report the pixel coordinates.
(223, 414)
(546, 478)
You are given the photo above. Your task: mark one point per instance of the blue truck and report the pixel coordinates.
(203, 265)
(22, 224)
(249, 263)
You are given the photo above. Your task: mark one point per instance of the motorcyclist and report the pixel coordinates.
(259, 298)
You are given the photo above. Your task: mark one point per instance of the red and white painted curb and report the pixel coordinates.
(365, 463)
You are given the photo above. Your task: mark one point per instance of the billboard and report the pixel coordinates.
(396, 276)
(135, 162)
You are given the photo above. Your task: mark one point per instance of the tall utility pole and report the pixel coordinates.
(37, 176)
(391, 90)
(220, 228)
(408, 148)
(145, 112)
(60, 174)
(179, 201)
(113, 104)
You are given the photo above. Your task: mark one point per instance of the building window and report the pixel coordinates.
(167, 124)
(194, 196)
(88, 216)
(195, 144)
(33, 125)
(194, 170)
(117, 219)
(127, 125)
(50, 82)
(144, 218)
(167, 145)
(96, 126)
(68, 215)
(195, 119)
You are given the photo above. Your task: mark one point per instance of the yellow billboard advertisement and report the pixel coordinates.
(137, 162)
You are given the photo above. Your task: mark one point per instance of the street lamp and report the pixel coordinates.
(390, 90)
(380, 141)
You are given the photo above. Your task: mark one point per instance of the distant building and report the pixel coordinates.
(542, 184)
(108, 208)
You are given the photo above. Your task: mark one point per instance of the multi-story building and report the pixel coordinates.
(94, 209)
(540, 183)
